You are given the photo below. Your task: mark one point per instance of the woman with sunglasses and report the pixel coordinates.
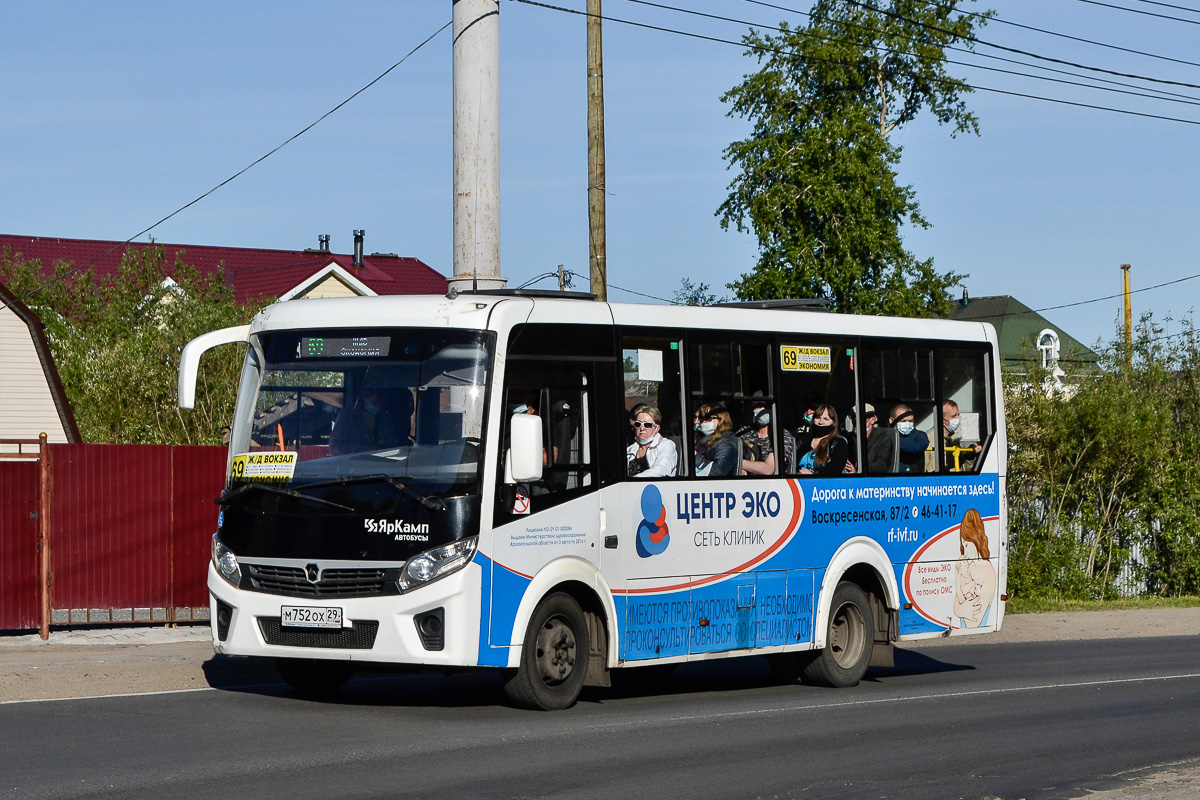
(650, 455)
(716, 446)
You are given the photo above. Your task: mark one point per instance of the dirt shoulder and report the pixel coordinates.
(122, 661)
(1065, 626)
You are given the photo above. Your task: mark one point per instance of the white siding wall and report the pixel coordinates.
(330, 287)
(26, 405)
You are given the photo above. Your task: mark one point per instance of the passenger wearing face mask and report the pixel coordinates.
(759, 450)
(716, 453)
(650, 455)
(951, 437)
(913, 442)
(805, 422)
(827, 451)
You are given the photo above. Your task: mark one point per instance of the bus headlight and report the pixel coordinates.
(436, 562)
(225, 562)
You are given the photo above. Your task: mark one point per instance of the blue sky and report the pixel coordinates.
(121, 113)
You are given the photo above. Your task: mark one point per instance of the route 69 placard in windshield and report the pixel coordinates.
(265, 467)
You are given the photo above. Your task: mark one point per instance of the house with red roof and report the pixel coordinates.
(253, 273)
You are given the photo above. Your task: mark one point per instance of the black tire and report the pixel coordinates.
(849, 641)
(554, 658)
(312, 677)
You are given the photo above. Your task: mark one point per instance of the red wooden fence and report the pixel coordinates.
(129, 528)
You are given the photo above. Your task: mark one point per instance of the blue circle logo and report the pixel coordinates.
(652, 533)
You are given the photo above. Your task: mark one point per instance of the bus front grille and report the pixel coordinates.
(359, 637)
(334, 582)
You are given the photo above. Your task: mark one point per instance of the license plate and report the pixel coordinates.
(311, 617)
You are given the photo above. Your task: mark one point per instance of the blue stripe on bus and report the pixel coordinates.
(502, 591)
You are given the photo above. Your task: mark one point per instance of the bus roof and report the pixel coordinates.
(475, 311)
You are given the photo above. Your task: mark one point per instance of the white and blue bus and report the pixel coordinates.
(446, 482)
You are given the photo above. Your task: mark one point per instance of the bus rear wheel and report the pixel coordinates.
(848, 641)
(554, 658)
(314, 678)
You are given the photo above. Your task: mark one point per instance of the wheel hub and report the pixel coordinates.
(846, 638)
(555, 651)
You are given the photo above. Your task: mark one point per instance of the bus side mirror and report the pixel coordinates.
(525, 449)
(189, 361)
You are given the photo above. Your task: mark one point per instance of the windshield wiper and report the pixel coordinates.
(432, 503)
(436, 380)
(264, 487)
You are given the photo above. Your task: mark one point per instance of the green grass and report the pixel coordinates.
(1018, 605)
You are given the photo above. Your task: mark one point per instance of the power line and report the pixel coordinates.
(1084, 105)
(1170, 5)
(1138, 91)
(1145, 13)
(236, 175)
(1026, 53)
(758, 48)
(642, 294)
(994, 57)
(1032, 28)
(1002, 21)
(1099, 299)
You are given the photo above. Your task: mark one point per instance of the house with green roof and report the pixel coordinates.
(1026, 338)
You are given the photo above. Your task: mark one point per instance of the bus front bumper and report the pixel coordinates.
(374, 629)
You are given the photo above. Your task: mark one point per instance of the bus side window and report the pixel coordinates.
(966, 390)
(897, 379)
(815, 371)
(734, 375)
(652, 374)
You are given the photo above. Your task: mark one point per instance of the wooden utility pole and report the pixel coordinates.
(1128, 320)
(597, 261)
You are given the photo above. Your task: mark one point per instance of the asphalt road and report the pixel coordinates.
(1022, 720)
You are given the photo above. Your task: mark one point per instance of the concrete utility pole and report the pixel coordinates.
(476, 145)
(597, 260)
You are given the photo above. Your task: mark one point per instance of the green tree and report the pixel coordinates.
(817, 179)
(117, 341)
(1104, 475)
(695, 294)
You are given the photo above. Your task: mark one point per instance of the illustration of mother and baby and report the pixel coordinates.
(975, 577)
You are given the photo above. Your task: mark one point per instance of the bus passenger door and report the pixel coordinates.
(558, 516)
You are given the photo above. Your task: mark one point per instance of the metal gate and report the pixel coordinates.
(99, 533)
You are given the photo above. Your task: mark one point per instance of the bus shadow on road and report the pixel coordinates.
(915, 662)
(411, 688)
(740, 674)
(479, 689)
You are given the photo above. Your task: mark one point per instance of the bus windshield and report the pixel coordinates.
(398, 404)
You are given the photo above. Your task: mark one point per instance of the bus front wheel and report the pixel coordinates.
(848, 641)
(554, 658)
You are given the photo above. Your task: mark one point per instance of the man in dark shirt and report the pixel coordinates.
(380, 419)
